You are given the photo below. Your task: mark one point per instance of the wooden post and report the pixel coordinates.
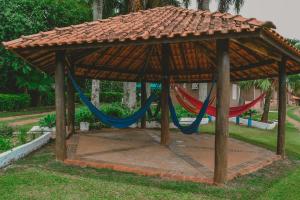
(223, 100)
(60, 106)
(143, 101)
(70, 105)
(165, 134)
(281, 108)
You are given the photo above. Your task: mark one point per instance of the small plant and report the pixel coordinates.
(6, 130)
(5, 143)
(84, 115)
(22, 136)
(48, 121)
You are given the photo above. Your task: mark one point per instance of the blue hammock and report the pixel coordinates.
(112, 121)
(193, 128)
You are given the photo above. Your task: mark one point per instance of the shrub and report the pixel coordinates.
(5, 130)
(105, 97)
(22, 136)
(116, 110)
(48, 121)
(13, 102)
(109, 97)
(48, 99)
(84, 115)
(5, 143)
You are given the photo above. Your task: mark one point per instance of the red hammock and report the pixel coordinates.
(195, 105)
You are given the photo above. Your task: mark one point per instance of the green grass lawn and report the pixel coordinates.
(39, 176)
(264, 138)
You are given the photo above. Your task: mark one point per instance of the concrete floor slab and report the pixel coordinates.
(188, 157)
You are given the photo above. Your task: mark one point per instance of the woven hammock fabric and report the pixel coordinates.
(193, 105)
(112, 121)
(194, 127)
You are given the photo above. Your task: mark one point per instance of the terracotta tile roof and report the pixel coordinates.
(155, 23)
(253, 53)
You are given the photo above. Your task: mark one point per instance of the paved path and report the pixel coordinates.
(24, 119)
(292, 121)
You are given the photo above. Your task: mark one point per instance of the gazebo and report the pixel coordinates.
(159, 45)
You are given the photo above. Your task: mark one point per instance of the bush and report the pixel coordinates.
(5, 143)
(109, 97)
(5, 130)
(48, 121)
(116, 110)
(22, 136)
(13, 102)
(84, 115)
(49, 99)
(105, 97)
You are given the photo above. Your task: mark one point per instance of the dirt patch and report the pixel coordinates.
(23, 116)
(24, 122)
(292, 121)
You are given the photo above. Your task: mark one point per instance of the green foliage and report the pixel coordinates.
(48, 99)
(48, 121)
(248, 113)
(13, 102)
(84, 115)
(6, 130)
(263, 84)
(5, 143)
(25, 17)
(22, 136)
(108, 97)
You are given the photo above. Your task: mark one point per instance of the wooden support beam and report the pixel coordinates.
(70, 105)
(165, 134)
(143, 102)
(223, 100)
(60, 106)
(281, 108)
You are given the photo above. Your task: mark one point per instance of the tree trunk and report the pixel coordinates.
(97, 7)
(129, 88)
(265, 115)
(148, 89)
(203, 4)
(129, 99)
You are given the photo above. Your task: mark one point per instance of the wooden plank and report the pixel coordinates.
(279, 47)
(143, 102)
(165, 133)
(281, 108)
(60, 107)
(223, 101)
(70, 105)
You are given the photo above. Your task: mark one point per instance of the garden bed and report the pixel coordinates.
(20, 144)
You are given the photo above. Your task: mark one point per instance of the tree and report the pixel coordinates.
(223, 5)
(97, 7)
(266, 86)
(25, 17)
(203, 4)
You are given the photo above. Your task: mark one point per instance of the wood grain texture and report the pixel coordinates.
(223, 102)
(60, 107)
(281, 108)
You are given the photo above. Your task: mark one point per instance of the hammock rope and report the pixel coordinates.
(112, 121)
(193, 105)
(194, 126)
